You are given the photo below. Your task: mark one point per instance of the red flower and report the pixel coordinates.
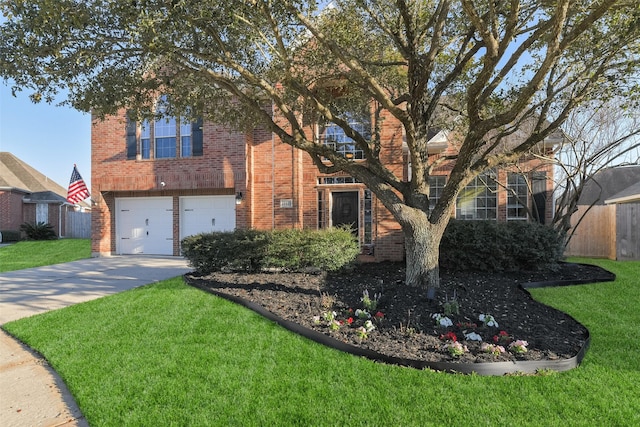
(502, 337)
(449, 336)
(379, 315)
(350, 320)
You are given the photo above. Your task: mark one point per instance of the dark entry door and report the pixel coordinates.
(539, 190)
(345, 209)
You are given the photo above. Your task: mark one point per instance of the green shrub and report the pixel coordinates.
(498, 246)
(39, 231)
(10, 235)
(328, 250)
(253, 250)
(239, 250)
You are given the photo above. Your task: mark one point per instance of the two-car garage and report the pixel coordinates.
(145, 225)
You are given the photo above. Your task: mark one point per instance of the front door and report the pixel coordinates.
(345, 209)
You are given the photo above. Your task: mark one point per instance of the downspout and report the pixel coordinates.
(273, 174)
(60, 218)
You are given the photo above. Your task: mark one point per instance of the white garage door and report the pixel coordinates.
(144, 225)
(203, 214)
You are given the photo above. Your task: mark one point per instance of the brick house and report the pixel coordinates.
(155, 183)
(26, 195)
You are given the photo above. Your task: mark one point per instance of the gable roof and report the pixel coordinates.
(628, 195)
(17, 175)
(608, 183)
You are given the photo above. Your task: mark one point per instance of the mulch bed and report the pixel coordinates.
(405, 327)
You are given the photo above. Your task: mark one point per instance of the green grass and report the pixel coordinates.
(27, 254)
(168, 354)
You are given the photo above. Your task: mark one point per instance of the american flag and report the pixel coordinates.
(77, 188)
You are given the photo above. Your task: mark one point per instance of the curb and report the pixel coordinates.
(485, 369)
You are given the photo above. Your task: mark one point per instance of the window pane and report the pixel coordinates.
(436, 185)
(517, 191)
(335, 137)
(145, 140)
(185, 147)
(185, 140)
(165, 148)
(478, 200)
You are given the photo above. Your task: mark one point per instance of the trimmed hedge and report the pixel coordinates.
(499, 246)
(255, 250)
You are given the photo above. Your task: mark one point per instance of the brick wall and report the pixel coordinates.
(11, 210)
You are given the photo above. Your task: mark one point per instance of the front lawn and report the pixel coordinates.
(169, 354)
(27, 254)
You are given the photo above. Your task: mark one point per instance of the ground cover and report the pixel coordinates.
(170, 354)
(28, 254)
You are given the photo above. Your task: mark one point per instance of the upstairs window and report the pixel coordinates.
(334, 136)
(165, 138)
(165, 133)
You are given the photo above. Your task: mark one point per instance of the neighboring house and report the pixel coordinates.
(27, 195)
(156, 183)
(610, 204)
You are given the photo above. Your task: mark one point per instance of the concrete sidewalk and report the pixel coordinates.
(31, 393)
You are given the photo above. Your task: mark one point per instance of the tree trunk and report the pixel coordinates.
(422, 246)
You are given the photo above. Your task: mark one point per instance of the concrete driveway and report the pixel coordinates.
(31, 393)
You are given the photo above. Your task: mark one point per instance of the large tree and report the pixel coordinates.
(480, 69)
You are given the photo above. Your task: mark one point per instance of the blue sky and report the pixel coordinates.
(49, 138)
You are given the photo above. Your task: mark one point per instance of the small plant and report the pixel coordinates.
(456, 348)
(472, 336)
(442, 320)
(494, 349)
(363, 331)
(449, 336)
(369, 303)
(334, 325)
(329, 316)
(378, 317)
(39, 231)
(326, 300)
(518, 346)
(362, 314)
(451, 306)
(466, 325)
(502, 338)
(488, 320)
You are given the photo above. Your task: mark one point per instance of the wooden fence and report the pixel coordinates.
(78, 225)
(595, 236)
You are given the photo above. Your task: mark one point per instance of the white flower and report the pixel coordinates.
(472, 336)
(368, 326)
(488, 320)
(442, 320)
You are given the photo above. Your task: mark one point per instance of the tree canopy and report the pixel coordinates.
(482, 69)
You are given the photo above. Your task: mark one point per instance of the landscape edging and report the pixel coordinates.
(485, 368)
